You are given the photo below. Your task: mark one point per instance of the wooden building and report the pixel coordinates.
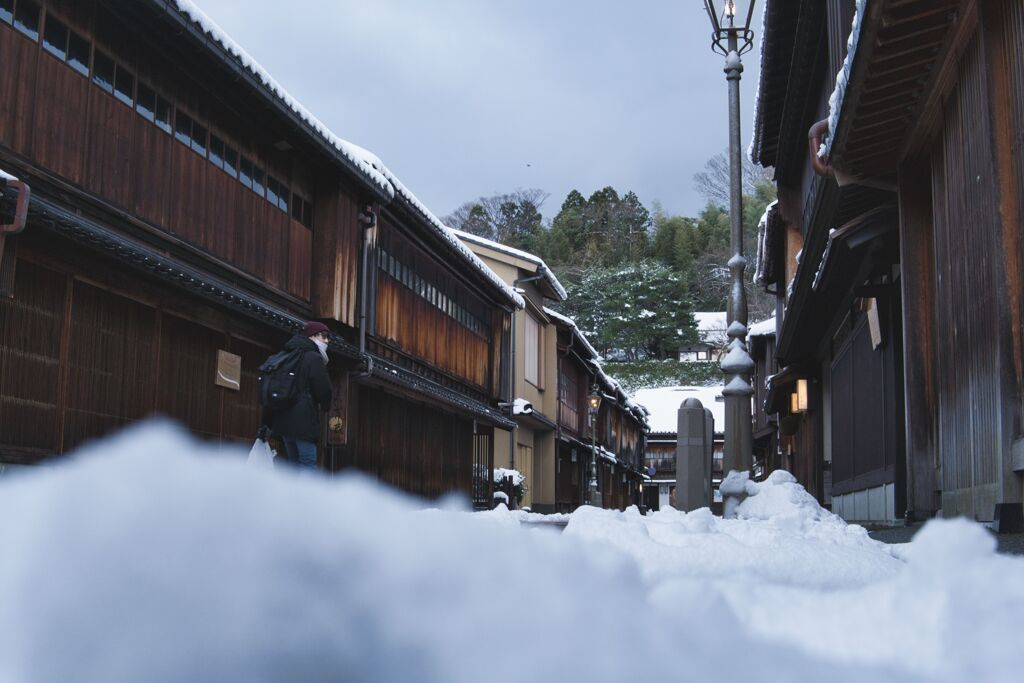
(615, 436)
(767, 456)
(904, 309)
(186, 217)
(711, 338)
(530, 446)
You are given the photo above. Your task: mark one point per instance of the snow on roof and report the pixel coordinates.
(447, 233)
(755, 125)
(367, 162)
(615, 387)
(835, 101)
(609, 382)
(572, 324)
(762, 226)
(765, 328)
(663, 404)
(712, 326)
(211, 28)
(518, 253)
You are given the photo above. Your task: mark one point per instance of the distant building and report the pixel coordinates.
(530, 447)
(660, 455)
(615, 436)
(711, 337)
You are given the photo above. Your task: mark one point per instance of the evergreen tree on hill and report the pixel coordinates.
(602, 230)
(633, 311)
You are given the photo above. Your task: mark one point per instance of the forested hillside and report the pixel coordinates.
(634, 274)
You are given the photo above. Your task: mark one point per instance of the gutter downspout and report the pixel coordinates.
(558, 418)
(825, 168)
(512, 369)
(367, 221)
(512, 365)
(512, 388)
(814, 138)
(20, 211)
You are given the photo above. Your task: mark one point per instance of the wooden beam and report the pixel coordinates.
(918, 291)
(1000, 56)
(928, 115)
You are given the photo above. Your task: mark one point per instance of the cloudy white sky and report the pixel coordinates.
(469, 98)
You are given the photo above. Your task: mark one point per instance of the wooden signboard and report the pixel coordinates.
(337, 416)
(874, 324)
(229, 371)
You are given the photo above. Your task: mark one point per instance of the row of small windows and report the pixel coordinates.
(25, 16)
(72, 49)
(415, 282)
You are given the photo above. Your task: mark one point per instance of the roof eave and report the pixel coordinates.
(229, 61)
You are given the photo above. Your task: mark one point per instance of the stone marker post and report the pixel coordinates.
(693, 457)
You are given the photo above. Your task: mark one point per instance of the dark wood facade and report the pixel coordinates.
(918, 376)
(180, 207)
(766, 454)
(617, 433)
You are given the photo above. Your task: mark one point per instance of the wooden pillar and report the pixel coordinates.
(1002, 27)
(919, 381)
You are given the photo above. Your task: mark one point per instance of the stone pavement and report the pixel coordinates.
(1011, 544)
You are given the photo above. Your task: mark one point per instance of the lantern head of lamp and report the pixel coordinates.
(727, 20)
(594, 400)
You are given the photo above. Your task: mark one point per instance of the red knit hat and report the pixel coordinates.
(314, 327)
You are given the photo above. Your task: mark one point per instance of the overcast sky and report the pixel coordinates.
(470, 98)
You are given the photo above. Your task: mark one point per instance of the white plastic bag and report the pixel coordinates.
(261, 455)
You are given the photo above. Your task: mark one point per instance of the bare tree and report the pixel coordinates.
(713, 182)
(486, 213)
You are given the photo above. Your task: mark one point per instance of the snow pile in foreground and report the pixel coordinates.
(153, 557)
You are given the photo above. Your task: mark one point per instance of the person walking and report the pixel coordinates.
(298, 424)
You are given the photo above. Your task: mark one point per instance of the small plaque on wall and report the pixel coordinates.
(337, 416)
(874, 324)
(229, 371)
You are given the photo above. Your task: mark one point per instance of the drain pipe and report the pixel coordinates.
(512, 367)
(814, 137)
(22, 193)
(367, 221)
(541, 272)
(558, 418)
(512, 388)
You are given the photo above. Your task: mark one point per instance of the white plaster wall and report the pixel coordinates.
(871, 506)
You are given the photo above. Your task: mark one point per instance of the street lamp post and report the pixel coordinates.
(731, 39)
(593, 406)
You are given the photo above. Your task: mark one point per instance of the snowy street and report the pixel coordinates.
(150, 556)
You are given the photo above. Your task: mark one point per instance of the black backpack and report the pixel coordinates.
(278, 380)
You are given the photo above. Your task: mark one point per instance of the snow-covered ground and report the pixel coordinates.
(663, 404)
(153, 557)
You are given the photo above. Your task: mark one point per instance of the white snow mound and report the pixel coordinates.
(152, 556)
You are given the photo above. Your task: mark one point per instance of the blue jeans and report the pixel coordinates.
(300, 452)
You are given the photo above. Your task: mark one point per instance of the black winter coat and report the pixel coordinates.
(301, 420)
